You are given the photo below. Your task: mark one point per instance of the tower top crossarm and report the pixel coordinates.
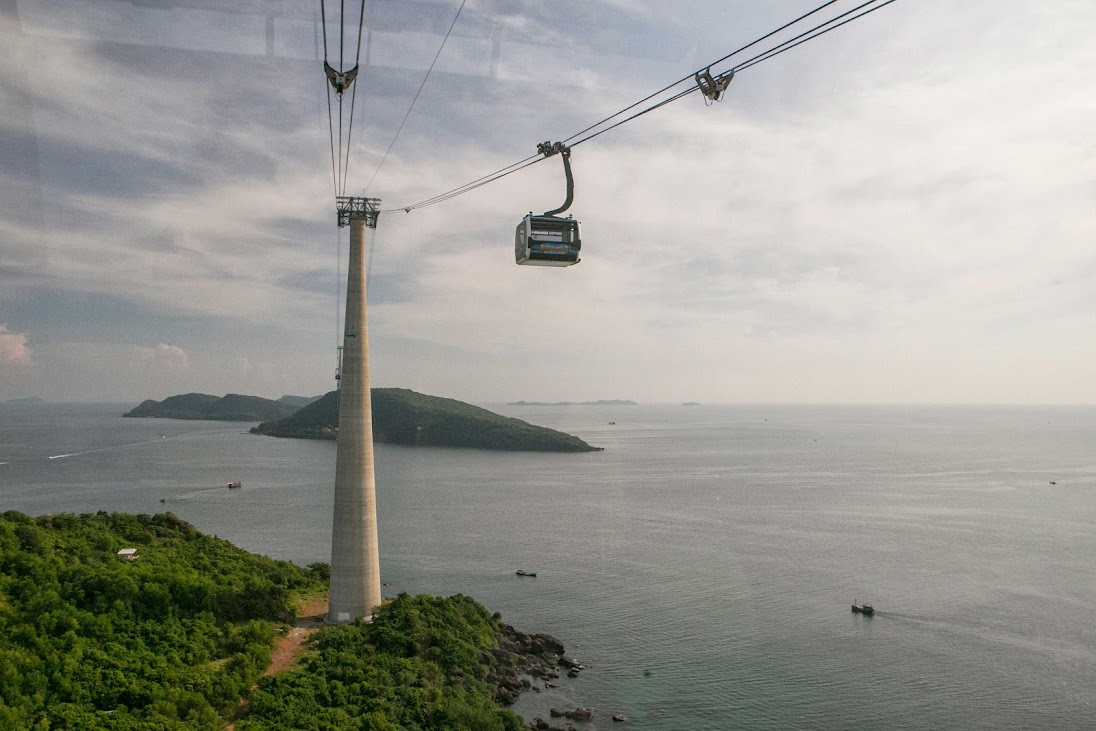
(358, 209)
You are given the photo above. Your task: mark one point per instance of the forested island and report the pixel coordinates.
(401, 416)
(179, 637)
(233, 407)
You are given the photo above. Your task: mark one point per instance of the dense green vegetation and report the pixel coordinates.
(171, 640)
(424, 663)
(401, 416)
(233, 407)
(177, 638)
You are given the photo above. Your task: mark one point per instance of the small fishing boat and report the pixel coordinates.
(235, 485)
(865, 609)
(527, 573)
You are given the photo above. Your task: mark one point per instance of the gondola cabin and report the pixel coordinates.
(547, 241)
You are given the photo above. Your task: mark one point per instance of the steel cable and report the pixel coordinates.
(804, 37)
(408, 113)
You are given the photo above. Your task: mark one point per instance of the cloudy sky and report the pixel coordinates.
(901, 211)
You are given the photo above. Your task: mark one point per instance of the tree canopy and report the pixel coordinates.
(171, 640)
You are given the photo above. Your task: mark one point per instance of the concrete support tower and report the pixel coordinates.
(355, 560)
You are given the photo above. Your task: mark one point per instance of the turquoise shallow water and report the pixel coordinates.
(702, 566)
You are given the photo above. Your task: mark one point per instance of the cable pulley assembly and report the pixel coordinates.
(341, 81)
(713, 87)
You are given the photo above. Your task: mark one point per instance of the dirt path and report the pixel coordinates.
(288, 648)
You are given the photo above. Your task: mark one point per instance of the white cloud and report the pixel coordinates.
(165, 357)
(881, 214)
(13, 348)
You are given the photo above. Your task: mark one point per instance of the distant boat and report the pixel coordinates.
(234, 485)
(612, 423)
(527, 573)
(865, 609)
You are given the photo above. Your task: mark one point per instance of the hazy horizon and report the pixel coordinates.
(586, 402)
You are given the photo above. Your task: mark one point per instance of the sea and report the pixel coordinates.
(702, 566)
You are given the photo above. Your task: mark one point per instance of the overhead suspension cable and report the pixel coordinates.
(341, 79)
(408, 113)
(690, 77)
(764, 56)
(353, 96)
(507, 170)
(776, 50)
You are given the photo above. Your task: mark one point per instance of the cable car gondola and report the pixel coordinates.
(549, 240)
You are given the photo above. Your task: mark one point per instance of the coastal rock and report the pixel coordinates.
(580, 714)
(518, 657)
(557, 712)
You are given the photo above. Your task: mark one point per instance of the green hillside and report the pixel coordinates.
(298, 401)
(171, 640)
(179, 640)
(401, 416)
(423, 663)
(233, 407)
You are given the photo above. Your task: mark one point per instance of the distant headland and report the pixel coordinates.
(233, 407)
(25, 401)
(402, 416)
(606, 402)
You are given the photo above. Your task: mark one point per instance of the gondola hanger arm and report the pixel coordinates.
(548, 149)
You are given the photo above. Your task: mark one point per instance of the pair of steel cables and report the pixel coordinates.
(340, 80)
(602, 126)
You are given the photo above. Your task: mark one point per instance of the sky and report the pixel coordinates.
(902, 211)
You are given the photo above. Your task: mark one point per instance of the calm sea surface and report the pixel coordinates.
(702, 566)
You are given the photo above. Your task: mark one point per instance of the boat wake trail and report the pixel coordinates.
(111, 448)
